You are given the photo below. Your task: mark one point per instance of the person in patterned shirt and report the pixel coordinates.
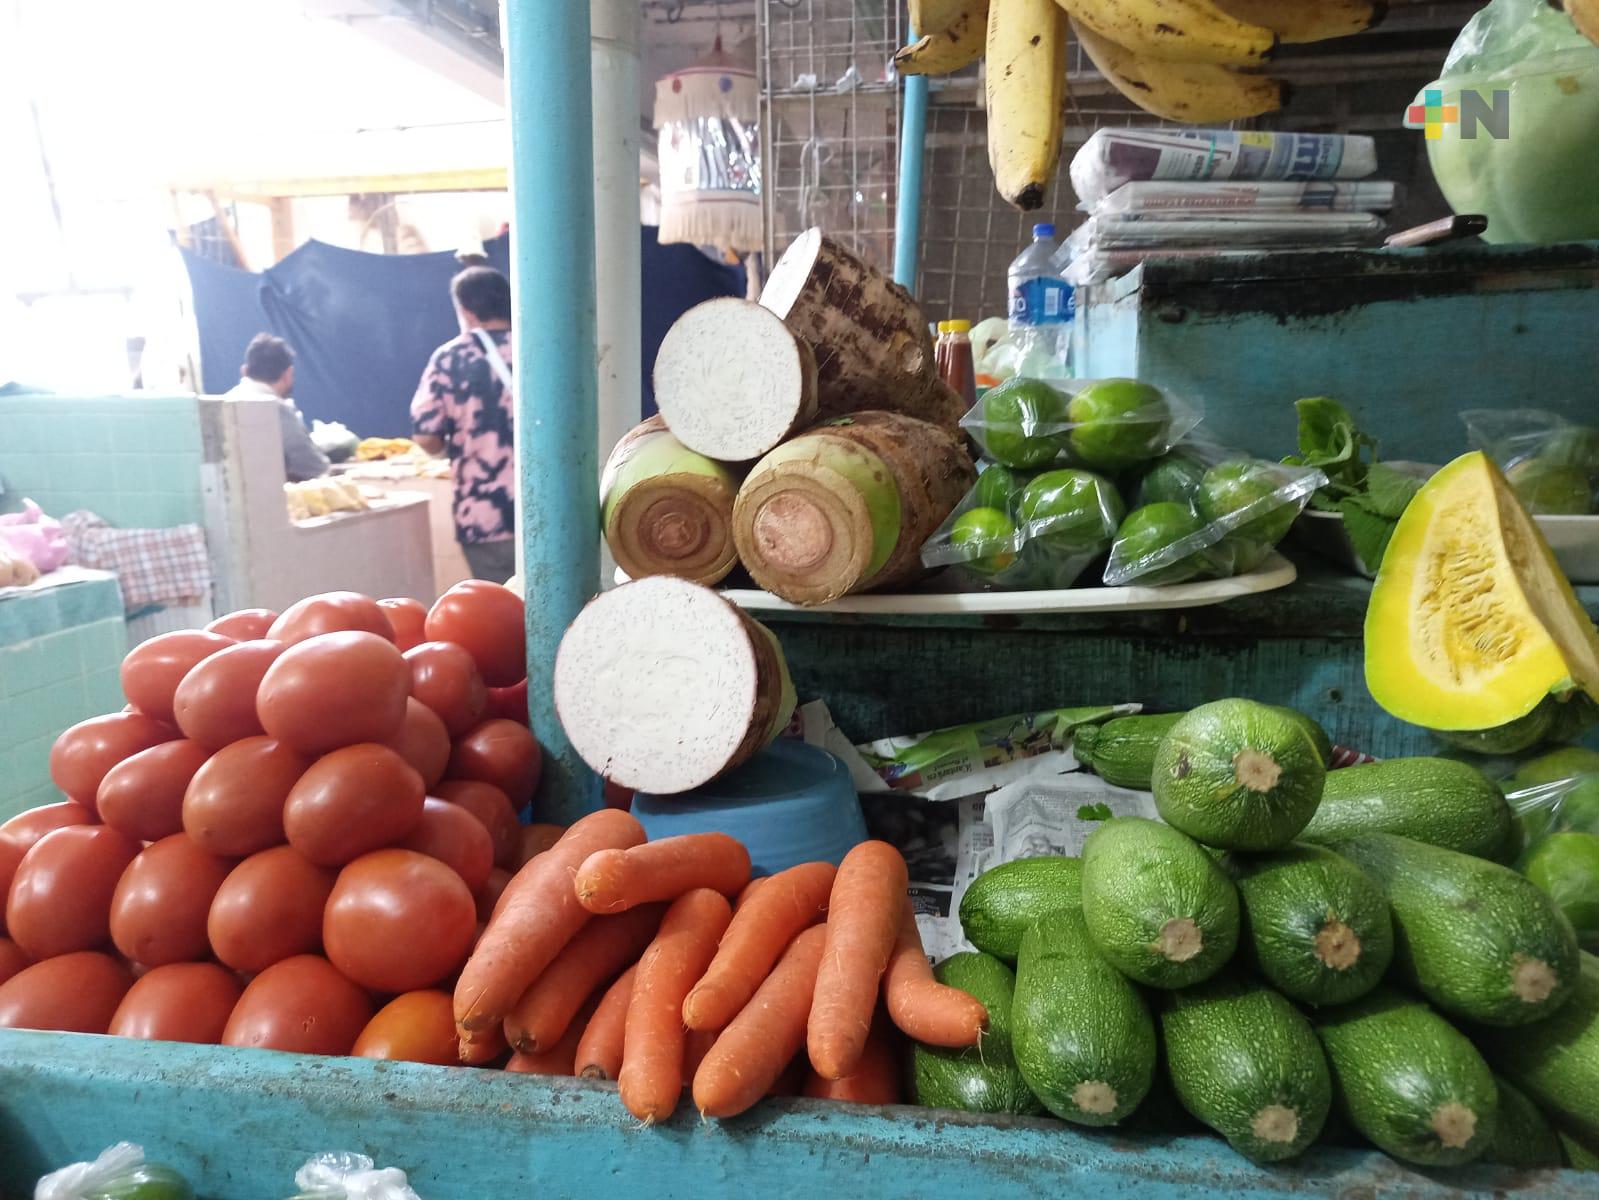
(464, 407)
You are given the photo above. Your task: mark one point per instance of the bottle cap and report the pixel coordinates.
(959, 326)
(1044, 230)
(943, 327)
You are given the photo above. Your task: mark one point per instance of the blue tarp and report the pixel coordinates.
(363, 325)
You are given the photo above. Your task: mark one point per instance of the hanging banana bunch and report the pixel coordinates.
(1194, 61)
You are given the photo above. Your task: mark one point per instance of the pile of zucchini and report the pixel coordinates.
(1289, 955)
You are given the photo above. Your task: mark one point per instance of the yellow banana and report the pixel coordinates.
(1198, 93)
(945, 53)
(934, 16)
(1026, 86)
(1585, 13)
(1175, 30)
(1308, 20)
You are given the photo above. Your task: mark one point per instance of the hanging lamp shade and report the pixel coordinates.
(710, 155)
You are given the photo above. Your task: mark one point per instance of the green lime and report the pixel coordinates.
(996, 487)
(1575, 448)
(1116, 423)
(990, 535)
(1147, 532)
(1579, 806)
(1250, 486)
(1551, 488)
(1565, 867)
(1071, 512)
(1021, 422)
(1173, 476)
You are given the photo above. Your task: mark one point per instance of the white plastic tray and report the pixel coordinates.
(1274, 573)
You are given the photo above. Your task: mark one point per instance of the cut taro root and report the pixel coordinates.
(732, 380)
(872, 347)
(667, 509)
(662, 685)
(847, 505)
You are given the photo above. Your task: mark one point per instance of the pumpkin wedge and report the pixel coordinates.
(1471, 624)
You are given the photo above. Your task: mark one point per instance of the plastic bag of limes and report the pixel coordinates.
(1029, 530)
(1206, 512)
(1552, 463)
(1101, 425)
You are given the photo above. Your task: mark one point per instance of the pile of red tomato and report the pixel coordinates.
(296, 817)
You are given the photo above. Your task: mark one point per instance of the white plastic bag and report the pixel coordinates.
(343, 1175)
(115, 1173)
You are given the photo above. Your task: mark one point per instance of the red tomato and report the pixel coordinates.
(234, 805)
(269, 908)
(456, 838)
(152, 670)
(61, 898)
(407, 616)
(398, 920)
(159, 909)
(489, 622)
(180, 1002)
(422, 742)
(334, 690)
(489, 805)
(331, 612)
(19, 833)
(488, 896)
(12, 959)
(413, 1027)
(535, 840)
(302, 1005)
(503, 753)
(351, 801)
(73, 993)
(245, 624)
(509, 702)
(143, 795)
(444, 677)
(215, 703)
(83, 754)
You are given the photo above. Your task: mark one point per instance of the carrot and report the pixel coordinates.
(484, 1050)
(537, 915)
(925, 1010)
(610, 881)
(761, 928)
(592, 958)
(652, 1045)
(697, 1044)
(558, 1059)
(752, 1053)
(875, 1079)
(862, 921)
(748, 891)
(599, 1048)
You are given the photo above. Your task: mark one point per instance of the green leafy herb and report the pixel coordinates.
(1388, 491)
(1329, 439)
(1094, 812)
(1369, 529)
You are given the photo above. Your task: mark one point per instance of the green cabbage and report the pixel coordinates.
(1541, 184)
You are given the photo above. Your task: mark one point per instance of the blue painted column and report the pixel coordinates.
(552, 281)
(908, 211)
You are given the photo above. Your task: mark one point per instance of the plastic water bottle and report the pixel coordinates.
(1042, 307)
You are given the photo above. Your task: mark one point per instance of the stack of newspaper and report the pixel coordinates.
(1207, 192)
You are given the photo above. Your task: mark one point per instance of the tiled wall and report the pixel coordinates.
(135, 460)
(47, 684)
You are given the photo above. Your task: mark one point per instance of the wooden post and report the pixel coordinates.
(282, 208)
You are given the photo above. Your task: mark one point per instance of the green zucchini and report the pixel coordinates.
(1523, 1136)
(1433, 800)
(982, 1079)
(1122, 750)
(1004, 901)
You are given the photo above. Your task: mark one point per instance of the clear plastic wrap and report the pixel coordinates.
(1104, 425)
(1558, 818)
(1552, 463)
(345, 1175)
(1205, 511)
(119, 1173)
(1028, 530)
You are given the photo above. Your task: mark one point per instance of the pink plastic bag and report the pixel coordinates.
(35, 537)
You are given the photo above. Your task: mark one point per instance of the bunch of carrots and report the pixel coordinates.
(663, 965)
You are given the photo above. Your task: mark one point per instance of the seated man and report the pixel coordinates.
(268, 370)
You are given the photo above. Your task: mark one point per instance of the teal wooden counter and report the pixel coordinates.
(239, 1122)
(1302, 646)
